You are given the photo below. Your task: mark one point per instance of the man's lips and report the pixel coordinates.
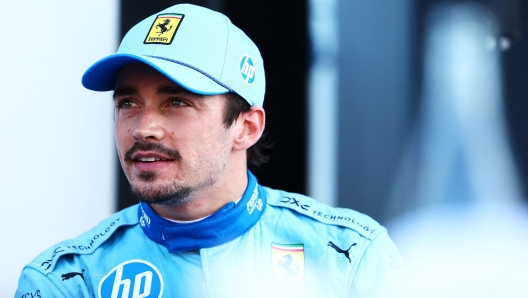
(149, 157)
(149, 162)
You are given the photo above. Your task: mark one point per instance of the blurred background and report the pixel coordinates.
(411, 111)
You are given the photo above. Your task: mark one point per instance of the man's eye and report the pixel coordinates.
(125, 104)
(175, 102)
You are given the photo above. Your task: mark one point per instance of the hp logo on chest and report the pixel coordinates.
(132, 279)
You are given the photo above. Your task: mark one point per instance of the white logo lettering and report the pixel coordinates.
(248, 70)
(118, 281)
(253, 202)
(138, 281)
(144, 220)
(259, 204)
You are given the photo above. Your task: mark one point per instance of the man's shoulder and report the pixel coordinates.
(308, 209)
(86, 243)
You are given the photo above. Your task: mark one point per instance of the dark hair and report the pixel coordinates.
(256, 154)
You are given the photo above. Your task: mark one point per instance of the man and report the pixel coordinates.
(188, 90)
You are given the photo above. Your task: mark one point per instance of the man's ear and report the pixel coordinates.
(250, 126)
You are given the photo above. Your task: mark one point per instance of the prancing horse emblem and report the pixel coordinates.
(339, 250)
(287, 267)
(163, 27)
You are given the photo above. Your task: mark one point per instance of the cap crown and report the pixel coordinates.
(196, 47)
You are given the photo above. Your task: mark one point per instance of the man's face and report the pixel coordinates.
(172, 143)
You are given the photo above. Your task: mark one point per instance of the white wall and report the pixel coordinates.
(56, 138)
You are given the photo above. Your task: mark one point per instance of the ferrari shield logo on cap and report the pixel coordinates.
(288, 266)
(164, 28)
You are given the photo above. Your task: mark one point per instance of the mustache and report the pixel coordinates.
(152, 147)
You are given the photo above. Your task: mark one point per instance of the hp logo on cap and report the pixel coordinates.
(247, 69)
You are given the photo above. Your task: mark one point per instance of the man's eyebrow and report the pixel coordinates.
(176, 90)
(129, 90)
(122, 91)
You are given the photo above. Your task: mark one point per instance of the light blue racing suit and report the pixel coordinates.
(270, 244)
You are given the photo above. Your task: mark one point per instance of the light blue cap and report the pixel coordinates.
(199, 49)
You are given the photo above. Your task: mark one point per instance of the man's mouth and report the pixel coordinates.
(151, 152)
(151, 159)
(150, 162)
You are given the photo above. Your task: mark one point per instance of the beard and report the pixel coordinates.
(170, 195)
(173, 193)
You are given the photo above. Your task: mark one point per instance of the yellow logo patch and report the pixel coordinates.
(164, 28)
(288, 266)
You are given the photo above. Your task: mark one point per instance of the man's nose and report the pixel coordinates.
(148, 126)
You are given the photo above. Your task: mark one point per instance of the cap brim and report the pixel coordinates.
(102, 74)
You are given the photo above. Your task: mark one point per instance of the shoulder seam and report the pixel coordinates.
(342, 217)
(362, 256)
(86, 243)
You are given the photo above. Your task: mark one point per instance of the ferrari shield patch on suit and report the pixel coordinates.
(288, 266)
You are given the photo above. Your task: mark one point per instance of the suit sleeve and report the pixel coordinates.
(33, 284)
(381, 271)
